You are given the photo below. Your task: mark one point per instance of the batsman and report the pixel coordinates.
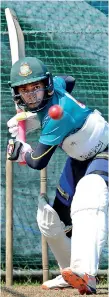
(81, 198)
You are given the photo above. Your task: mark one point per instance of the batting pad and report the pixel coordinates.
(53, 229)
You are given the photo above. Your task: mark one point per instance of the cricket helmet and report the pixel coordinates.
(29, 70)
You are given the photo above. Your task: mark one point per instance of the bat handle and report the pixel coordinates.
(21, 126)
(22, 133)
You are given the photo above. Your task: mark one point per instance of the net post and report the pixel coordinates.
(9, 223)
(43, 190)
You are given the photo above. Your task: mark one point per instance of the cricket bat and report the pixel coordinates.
(17, 47)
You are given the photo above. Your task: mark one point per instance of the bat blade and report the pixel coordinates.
(16, 38)
(17, 47)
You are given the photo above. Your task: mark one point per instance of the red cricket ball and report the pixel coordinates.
(55, 112)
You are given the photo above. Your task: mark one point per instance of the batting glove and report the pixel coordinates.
(32, 123)
(16, 150)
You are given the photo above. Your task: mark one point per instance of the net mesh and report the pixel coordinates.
(70, 37)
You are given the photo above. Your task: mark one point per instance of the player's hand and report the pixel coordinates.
(16, 150)
(32, 123)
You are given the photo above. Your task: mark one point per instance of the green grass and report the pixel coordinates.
(26, 283)
(30, 282)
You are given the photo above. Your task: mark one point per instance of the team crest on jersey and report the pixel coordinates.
(25, 70)
(76, 101)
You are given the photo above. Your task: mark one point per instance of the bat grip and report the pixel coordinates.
(22, 133)
(21, 126)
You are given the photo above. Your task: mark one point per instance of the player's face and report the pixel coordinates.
(32, 94)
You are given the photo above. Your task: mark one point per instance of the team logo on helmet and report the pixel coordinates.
(25, 70)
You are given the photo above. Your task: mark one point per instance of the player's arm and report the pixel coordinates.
(70, 82)
(40, 157)
(37, 159)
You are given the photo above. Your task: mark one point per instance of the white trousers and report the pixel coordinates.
(89, 213)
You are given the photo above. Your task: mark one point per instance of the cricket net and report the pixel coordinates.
(70, 37)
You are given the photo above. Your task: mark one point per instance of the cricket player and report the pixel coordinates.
(82, 193)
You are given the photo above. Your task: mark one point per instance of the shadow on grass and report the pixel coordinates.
(13, 292)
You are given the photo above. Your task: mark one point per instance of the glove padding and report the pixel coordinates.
(16, 150)
(32, 123)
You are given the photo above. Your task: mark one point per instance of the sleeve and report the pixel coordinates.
(68, 82)
(59, 82)
(40, 157)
